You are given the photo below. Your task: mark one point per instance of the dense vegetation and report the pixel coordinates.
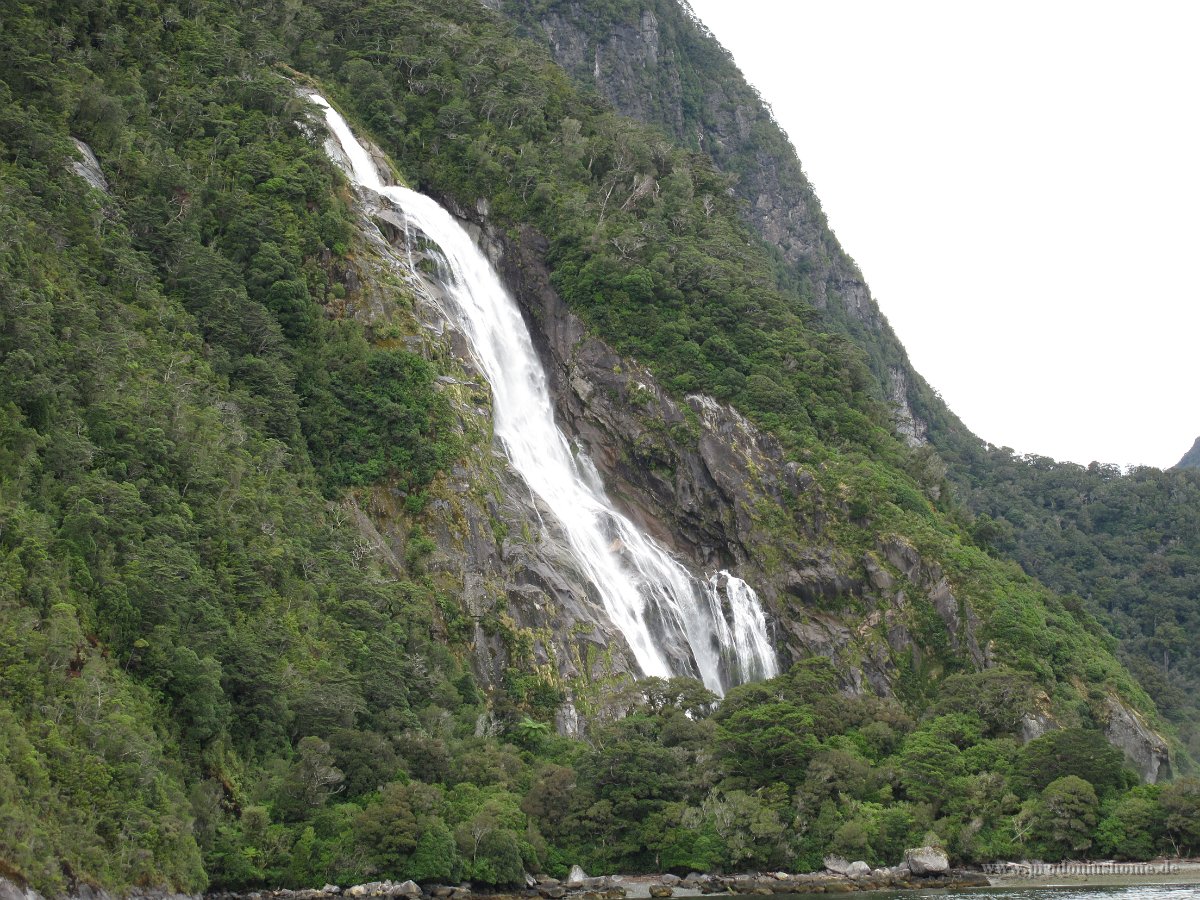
(208, 679)
(1128, 543)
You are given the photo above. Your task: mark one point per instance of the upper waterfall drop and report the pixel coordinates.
(675, 623)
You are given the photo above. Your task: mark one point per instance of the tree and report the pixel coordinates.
(435, 857)
(1065, 816)
(1072, 751)
(925, 765)
(312, 779)
(771, 742)
(1181, 802)
(1132, 826)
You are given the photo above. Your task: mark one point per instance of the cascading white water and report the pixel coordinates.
(674, 622)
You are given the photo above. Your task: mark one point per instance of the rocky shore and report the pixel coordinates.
(922, 868)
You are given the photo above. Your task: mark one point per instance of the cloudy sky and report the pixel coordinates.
(1020, 184)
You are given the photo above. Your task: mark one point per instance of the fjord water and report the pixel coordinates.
(675, 623)
(1072, 892)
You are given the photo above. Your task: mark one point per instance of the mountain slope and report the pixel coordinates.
(657, 63)
(1191, 459)
(654, 61)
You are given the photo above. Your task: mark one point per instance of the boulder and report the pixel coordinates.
(927, 860)
(576, 875)
(858, 869)
(407, 889)
(331, 889)
(670, 879)
(837, 865)
(661, 890)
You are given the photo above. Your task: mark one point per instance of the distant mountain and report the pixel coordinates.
(1191, 459)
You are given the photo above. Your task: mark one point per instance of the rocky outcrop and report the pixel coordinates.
(910, 428)
(1145, 750)
(87, 166)
(927, 860)
(622, 63)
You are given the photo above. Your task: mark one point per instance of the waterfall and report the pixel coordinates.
(675, 623)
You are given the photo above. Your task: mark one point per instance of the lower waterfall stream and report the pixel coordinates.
(675, 622)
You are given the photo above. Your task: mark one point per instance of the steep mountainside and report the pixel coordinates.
(1191, 459)
(1132, 558)
(657, 63)
(275, 608)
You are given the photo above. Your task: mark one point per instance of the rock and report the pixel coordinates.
(661, 890)
(670, 879)
(11, 891)
(927, 860)
(1144, 748)
(552, 891)
(547, 881)
(407, 889)
(964, 879)
(576, 875)
(837, 865)
(331, 889)
(88, 168)
(858, 869)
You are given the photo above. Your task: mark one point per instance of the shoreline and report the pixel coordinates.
(643, 887)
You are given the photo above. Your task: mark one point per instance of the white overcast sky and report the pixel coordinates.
(1019, 184)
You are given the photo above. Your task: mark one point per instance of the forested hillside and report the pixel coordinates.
(212, 676)
(1127, 545)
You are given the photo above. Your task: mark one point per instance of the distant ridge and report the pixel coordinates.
(1191, 459)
